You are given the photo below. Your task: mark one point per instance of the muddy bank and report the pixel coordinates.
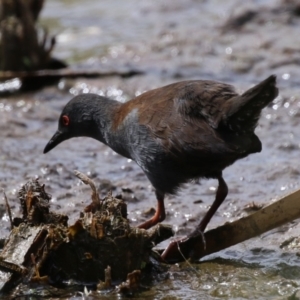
(171, 41)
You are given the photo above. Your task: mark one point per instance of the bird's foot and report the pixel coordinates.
(189, 247)
(149, 223)
(158, 217)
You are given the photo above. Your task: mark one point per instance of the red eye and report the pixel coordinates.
(65, 120)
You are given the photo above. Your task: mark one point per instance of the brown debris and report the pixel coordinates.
(253, 206)
(96, 203)
(107, 284)
(43, 249)
(132, 284)
(35, 206)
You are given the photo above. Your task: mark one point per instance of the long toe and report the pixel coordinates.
(158, 217)
(178, 250)
(149, 223)
(184, 249)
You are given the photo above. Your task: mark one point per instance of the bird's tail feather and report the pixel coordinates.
(241, 113)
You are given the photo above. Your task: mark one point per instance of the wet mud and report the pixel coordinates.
(170, 41)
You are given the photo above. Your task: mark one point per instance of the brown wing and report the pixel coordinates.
(183, 116)
(199, 99)
(204, 99)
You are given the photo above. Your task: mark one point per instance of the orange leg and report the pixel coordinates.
(190, 246)
(160, 213)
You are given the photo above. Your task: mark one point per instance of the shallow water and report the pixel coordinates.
(170, 41)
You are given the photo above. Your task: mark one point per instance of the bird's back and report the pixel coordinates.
(201, 100)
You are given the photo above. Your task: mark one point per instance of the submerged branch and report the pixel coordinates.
(68, 73)
(274, 215)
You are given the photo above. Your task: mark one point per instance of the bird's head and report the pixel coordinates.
(76, 119)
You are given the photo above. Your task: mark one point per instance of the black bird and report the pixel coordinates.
(176, 133)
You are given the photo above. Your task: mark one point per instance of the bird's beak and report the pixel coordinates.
(57, 138)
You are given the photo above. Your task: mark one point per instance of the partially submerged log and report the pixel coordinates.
(283, 211)
(43, 248)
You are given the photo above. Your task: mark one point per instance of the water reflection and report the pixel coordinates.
(10, 85)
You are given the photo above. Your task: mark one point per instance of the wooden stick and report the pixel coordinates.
(8, 209)
(274, 215)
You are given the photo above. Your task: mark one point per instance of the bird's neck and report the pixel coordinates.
(104, 119)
